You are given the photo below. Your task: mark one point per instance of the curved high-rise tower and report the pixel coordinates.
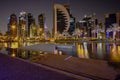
(61, 19)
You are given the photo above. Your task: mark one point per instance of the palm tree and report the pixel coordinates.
(114, 27)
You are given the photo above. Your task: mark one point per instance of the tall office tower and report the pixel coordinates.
(30, 20)
(72, 20)
(41, 25)
(61, 22)
(8, 25)
(87, 24)
(13, 25)
(72, 25)
(33, 30)
(22, 29)
(110, 21)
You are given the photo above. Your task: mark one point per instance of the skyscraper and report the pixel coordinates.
(72, 20)
(61, 19)
(33, 30)
(31, 20)
(110, 21)
(8, 25)
(41, 25)
(22, 29)
(72, 25)
(41, 21)
(13, 25)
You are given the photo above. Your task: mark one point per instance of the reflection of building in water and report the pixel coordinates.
(23, 54)
(100, 50)
(85, 50)
(14, 45)
(107, 48)
(11, 51)
(115, 53)
(82, 50)
(94, 49)
(13, 26)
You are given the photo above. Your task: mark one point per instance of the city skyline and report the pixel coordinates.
(36, 7)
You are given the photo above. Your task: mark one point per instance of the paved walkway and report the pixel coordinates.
(15, 69)
(95, 69)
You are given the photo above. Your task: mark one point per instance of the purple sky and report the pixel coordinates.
(78, 8)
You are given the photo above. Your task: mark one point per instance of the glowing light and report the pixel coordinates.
(115, 56)
(60, 52)
(14, 45)
(5, 44)
(80, 51)
(13, 55)
(55, 51)
(85, 50)
(13, 26)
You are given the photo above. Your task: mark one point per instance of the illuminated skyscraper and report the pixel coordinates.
(31, 20)
(13, 25)
(110, 21)
(72, 25)
(72, 20)
(61, 19)
(22, 29)
(8, 25)
(41, 25)
(41, 21)
(33, 30)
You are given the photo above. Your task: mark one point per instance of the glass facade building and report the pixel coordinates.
(61, 19)
(13, 25)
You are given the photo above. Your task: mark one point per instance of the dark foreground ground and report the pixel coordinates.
(15, 69)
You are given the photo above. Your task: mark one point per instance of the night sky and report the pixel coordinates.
(78, 8)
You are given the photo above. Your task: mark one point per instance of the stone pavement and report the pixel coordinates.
(15, 69)
(94, 69)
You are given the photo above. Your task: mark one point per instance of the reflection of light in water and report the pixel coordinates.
(45, 53)
(108, 48)
(23, 54)
(14, 45)
(99, 50)
(114, 49)
(85, 50)
(92, 48)
(28, 43)
(114, 33)
(119, 50)
(24, 44)
(33, 52)
(5, 45)
(13, 55)
(115, 53)
(60, 52)
(56, 51)
(80, 51)
(40, 52)
(1, 46)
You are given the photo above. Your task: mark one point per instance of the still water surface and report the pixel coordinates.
(102, 51)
